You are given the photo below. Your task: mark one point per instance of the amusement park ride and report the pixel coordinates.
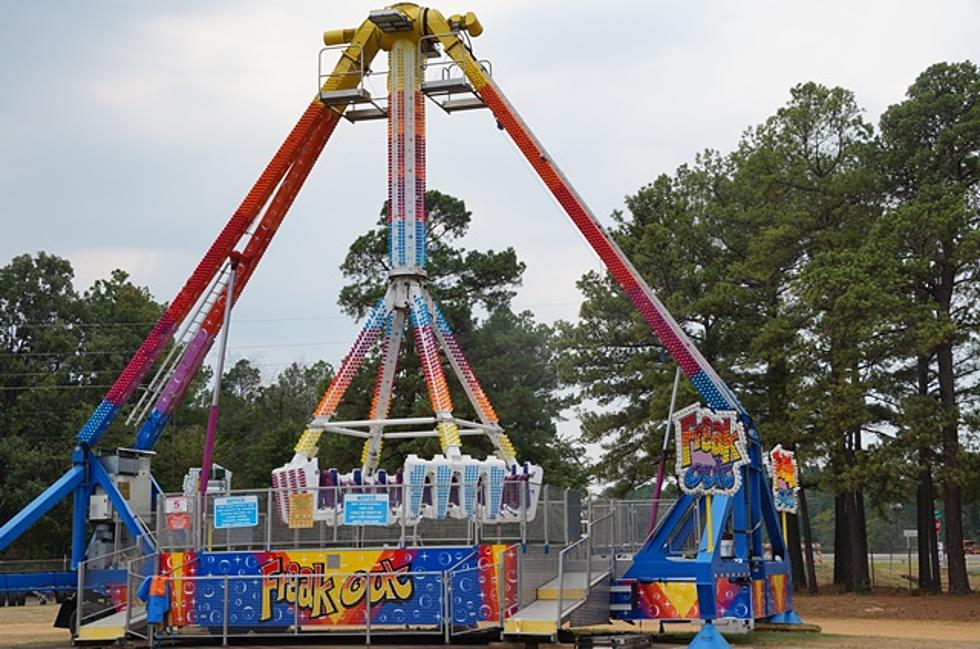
(430, 59)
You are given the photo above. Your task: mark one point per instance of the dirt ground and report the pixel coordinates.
(903, 621)
(890, 605)
(29, 627)
(943, 619)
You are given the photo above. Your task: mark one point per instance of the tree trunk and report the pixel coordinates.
(937, 582)
(928, 539)
(925, 498)
(925, 505)
(811, 569)
(862, 528)
(841, 557)
(855, 581)
(959, 583)
(862, 536)
(855, 565)
(795, 551)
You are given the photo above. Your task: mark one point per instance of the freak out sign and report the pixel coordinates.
(785, 479)
(711, 447)
(320, 594)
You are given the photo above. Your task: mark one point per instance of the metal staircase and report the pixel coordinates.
(579, 594)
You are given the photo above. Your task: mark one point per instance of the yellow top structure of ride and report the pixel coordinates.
(404, 20)
(401, 22)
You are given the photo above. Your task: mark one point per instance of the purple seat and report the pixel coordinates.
(455, 491)
(513, 485)
(395, 492)
(325, 495)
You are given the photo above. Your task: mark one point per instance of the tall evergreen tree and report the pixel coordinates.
(931, 144)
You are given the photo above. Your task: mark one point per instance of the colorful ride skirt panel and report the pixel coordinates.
(678, 600)
(400, 587)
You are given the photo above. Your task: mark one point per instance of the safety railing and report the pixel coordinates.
(257, 524)
(360, 603)
(484, 595)
(600, 544)
(360, 72)
(104, 587)
(35, 565)
(476, 593)
(632, 520)
(580, 553)
(138, 570)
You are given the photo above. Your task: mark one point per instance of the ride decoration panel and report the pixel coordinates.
(400, 587)
(678, 600)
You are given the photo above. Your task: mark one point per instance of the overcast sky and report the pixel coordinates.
(129, 131)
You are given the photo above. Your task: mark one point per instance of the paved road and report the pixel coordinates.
(972, 560)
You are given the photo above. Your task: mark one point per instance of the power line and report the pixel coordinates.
(41, 386)
(55, 387)
(117, 370)
(130, 351)
(71, 325)
(67, 325)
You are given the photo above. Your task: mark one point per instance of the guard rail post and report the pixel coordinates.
(224, 615)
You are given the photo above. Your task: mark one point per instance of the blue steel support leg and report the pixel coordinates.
(742, 515)
(79, 510)
(787, 617)
(40, 506)
(704, 568)
(122, 508)
(79, 521)
(709, 638)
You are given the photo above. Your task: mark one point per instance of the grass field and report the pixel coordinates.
(893, 572)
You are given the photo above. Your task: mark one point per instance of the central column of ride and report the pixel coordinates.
(407, 236)
(406, 162)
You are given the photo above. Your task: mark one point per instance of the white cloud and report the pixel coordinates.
(146, 266)
(618, 92)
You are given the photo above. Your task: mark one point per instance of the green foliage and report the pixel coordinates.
(513, 356)
(58, 352)
(821, 269)
(459, 279)
(930, 155)
(829, 272)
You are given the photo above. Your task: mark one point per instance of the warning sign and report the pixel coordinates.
(300, 511)
(177, 510)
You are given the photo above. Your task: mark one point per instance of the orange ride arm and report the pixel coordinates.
(346, 74)
(673, 337)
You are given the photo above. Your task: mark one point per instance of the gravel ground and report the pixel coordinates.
(848, 622)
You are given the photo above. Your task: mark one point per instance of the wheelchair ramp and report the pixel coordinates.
(576, 595)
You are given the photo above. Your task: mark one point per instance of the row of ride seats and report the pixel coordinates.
(436, 488)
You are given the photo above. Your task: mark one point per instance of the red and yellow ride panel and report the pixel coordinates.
(341, 587)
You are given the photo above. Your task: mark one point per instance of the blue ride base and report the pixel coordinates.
(709, 637)
(788, 618)
(666, 583)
